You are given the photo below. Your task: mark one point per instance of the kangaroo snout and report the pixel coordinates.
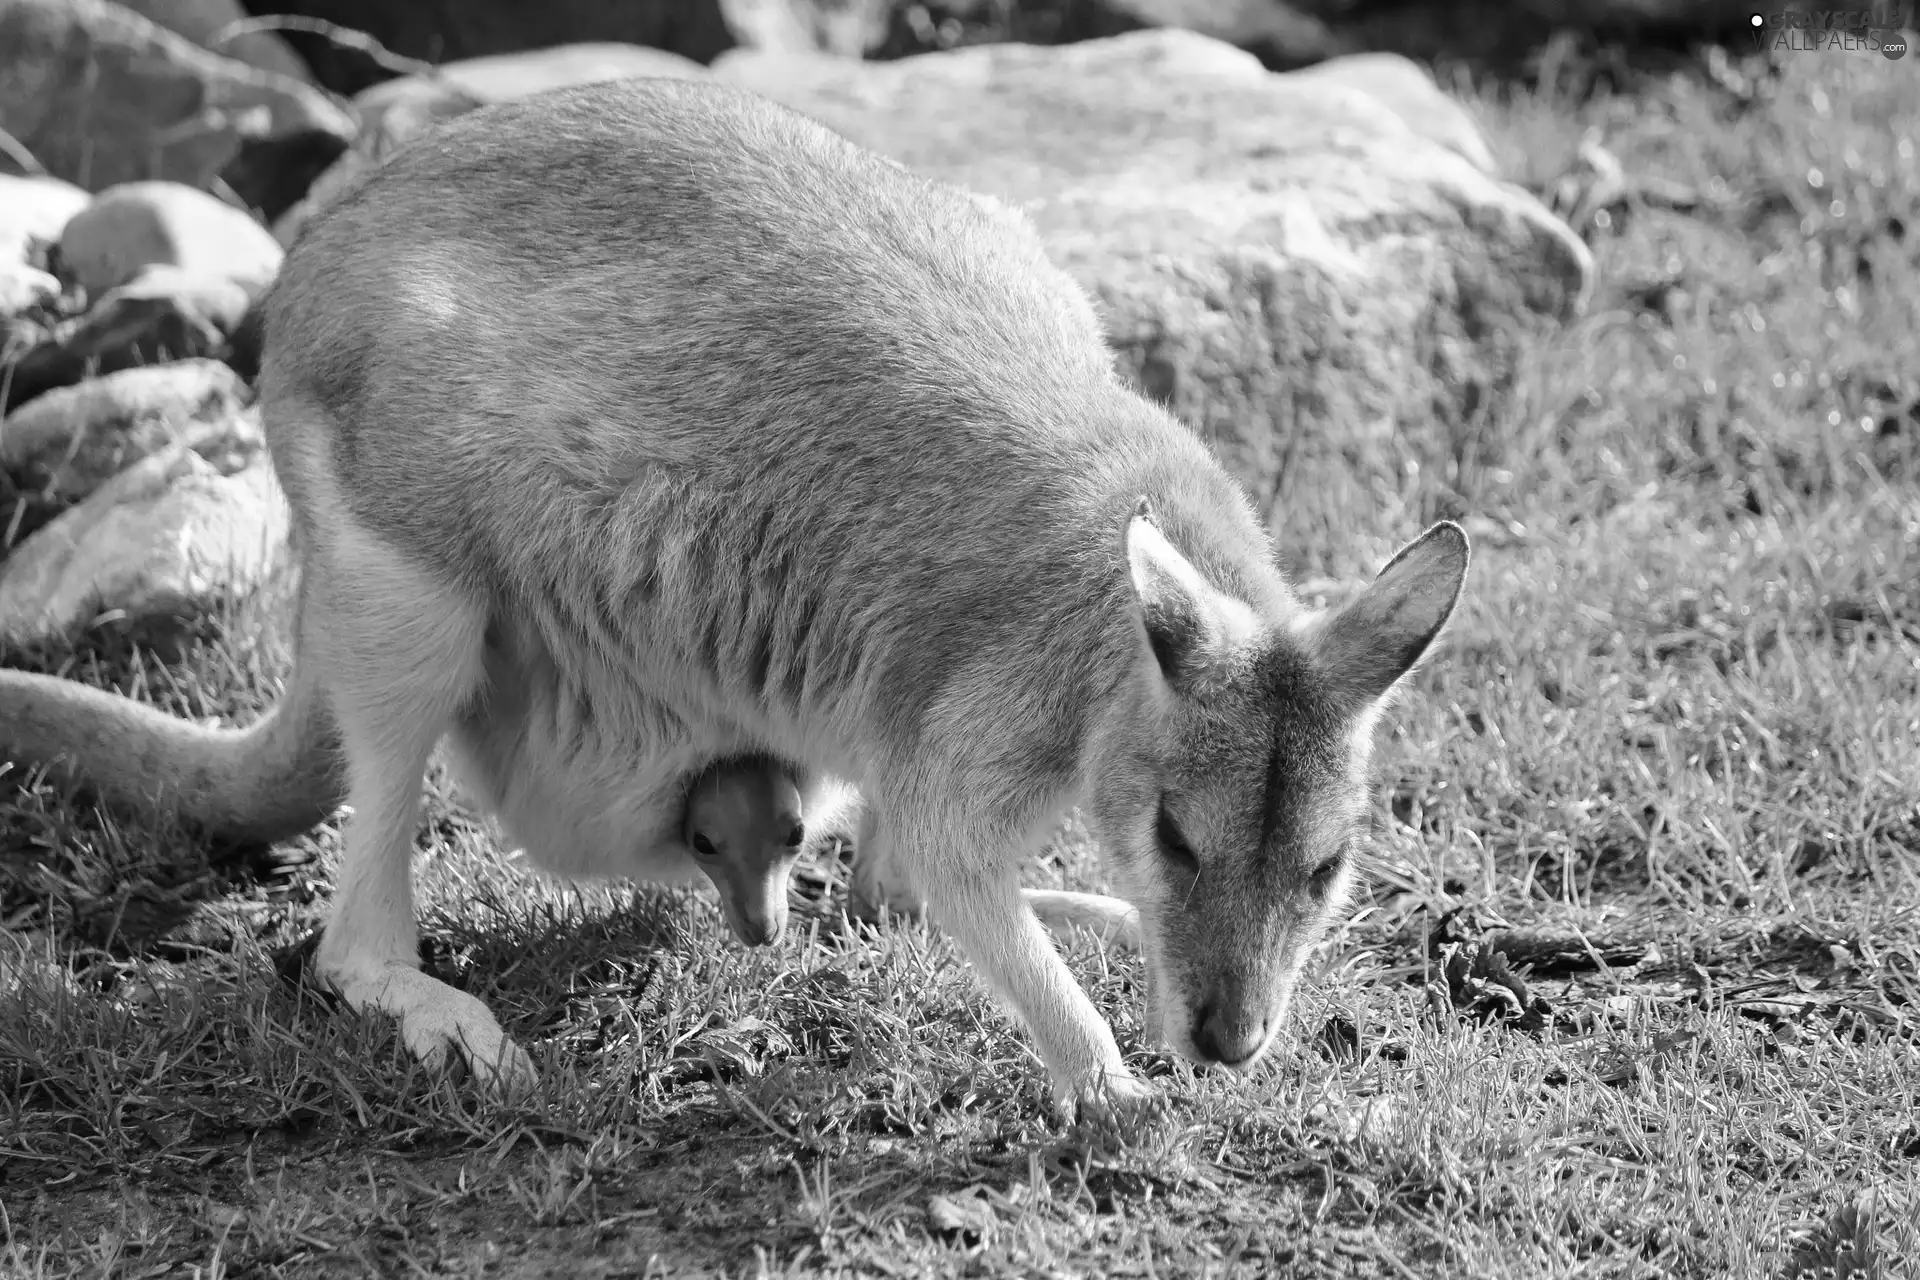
(1231, 1035)
(1232, 1025)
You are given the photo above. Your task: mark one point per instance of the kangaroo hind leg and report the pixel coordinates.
(403, 654)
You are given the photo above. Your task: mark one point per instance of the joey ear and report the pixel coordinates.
(1190, 625)
(1377, 637)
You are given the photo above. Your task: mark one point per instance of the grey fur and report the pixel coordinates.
(633, 425)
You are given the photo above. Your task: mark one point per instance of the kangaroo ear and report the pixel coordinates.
(1377, 637)
(1191, 627)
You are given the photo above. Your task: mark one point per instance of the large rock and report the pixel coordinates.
(201, 20)
(396, 111)
(66, 444)
(1410, 93)
(152, 547)
(136, 225)
(101, 96)
(1323, 289)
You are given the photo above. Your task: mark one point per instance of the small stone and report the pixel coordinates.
(131, 227)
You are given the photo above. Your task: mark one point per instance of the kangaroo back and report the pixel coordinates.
(776, 384)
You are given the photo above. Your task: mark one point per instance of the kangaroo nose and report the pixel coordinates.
(757, 930)
(758, 925)
(1229, 1036)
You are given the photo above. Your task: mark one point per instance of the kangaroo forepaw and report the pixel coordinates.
(1117, 1101)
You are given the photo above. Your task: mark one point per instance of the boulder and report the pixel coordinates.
(135, 225)
(397, 111)
(153, 547)
(101, 95)
(67, 443)
(32, 211)
(1402, 87)
(201, 20)
(1327, 293)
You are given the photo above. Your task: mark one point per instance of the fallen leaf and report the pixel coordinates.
(966, 1214)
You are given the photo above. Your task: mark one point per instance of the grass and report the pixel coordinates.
(1667, 773)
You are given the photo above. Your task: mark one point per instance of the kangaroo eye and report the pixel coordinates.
(704, 846)
(796, 836)
(1172, 844)
(1324, 873)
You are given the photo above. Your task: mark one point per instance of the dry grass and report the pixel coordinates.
(1672, 751)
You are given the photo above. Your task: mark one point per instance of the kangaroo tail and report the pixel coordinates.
(273, 779)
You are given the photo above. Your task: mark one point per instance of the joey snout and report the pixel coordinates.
(755, 905)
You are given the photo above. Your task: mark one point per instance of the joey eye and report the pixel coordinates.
(796, 836)
(1323, 874)
(1172, 844)
(704, 847)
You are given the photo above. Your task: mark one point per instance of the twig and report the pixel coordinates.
(17, 152)
(345, 37)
